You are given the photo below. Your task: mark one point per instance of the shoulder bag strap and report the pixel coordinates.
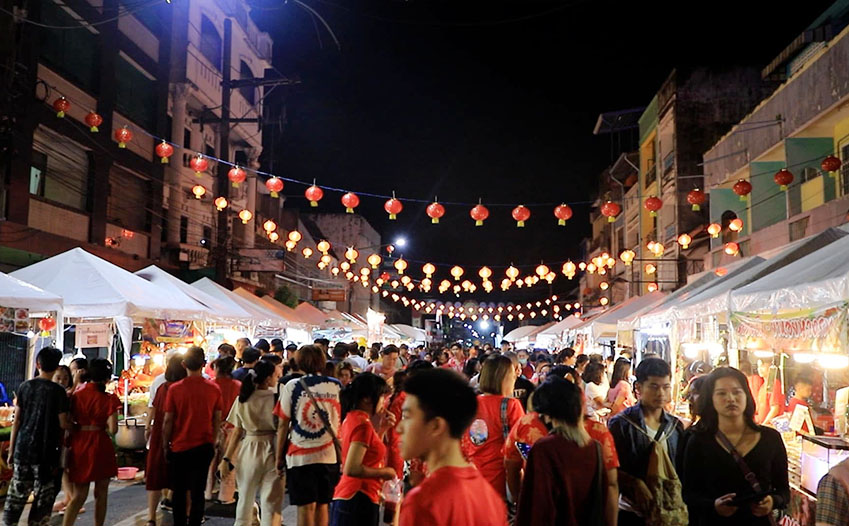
(324, 419)
(505, 427)
(661, 432)
(750, 477)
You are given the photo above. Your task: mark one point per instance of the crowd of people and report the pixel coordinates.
(476, 436)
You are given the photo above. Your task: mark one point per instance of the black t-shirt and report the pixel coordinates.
(522, 390)
(39, 435)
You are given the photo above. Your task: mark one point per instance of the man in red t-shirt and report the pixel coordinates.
(438, 409)
(192, 419)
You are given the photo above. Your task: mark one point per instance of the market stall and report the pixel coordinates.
(599, 333)
(313, 315)
(525, 337)
(265, 323)
(555, 336)
(297, 331)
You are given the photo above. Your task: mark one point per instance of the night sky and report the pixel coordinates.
(428, 98)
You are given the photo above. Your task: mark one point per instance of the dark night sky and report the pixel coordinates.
(424, 102)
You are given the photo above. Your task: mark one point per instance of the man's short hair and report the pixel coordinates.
(263, 345)
(340, 350)
(445, 394)
(652, 367)
(322, 341)
(276, 345)
(565, 354)
(244, 341)
(225, 349)
(194, 358)
(48, 359)
(389, 349)
(292, 347)
(456, 344)
(310, 359)
(251, 355)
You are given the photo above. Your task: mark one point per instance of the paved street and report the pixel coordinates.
(128, 507)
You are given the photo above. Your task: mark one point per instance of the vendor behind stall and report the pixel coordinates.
(803, 389)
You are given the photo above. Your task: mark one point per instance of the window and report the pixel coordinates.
(72, 53)
(187, 138)
(209, 151)
(135, 93)
(728, 235)
(128, 201)
(210, 42)
(164, 226)
(810, 173)
(240, 158)
(248, 92)
(207, 233)
(798, 228)
(60, 169)
(184, 229)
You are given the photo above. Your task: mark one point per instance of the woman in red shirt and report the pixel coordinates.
(483, 443)
(92, 458)
(230, 388)
(356, 500)
(565, 481)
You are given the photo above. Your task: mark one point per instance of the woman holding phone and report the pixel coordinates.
(726, 446)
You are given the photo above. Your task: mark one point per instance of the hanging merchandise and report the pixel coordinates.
(350, 201)
(696, 198)
(93, 120)
(393, 207)
(123, 135)
(275, 186)
(562, 212)
(61, 105)
(831, 164)
(479, 213)
(164, 151)
(237, 176)
(743, 188)
(314, 194)
(783, 178)
(521, 214)
(610, 210)
(435, 211)
(653, 204)
(199, 164)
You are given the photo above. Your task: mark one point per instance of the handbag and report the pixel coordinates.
(750, 477)
(337, 446)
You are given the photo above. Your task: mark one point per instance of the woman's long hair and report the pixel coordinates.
(620, 371)
(366, 386)
(709, 419)
(257, 375)
(593, 373)
(100, 373)
(562, 402)
(174, 371)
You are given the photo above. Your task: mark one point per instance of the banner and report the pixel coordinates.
(90, 335)
(166, 331)
(14, 320)
(809, 329)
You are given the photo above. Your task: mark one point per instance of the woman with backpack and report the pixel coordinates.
(253, 435)
(735, 471)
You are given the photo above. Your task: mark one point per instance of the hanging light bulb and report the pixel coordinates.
(345, 266)
(736, 225)
(714, 229)
(684, 240)
(604, 301)
(273, 236)
(604, 285)
(542, 270)
(290, 245)
(650, 268)
(326, 259)
(652, 287)
(199, 191)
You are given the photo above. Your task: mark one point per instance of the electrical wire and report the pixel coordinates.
(83, 24)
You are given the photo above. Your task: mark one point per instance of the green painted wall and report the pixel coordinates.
(648, 120)
(722, 199)
(807, 152)
(767, 200)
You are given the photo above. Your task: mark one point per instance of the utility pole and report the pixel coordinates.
(221, 253)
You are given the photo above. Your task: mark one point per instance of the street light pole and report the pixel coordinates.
(222, 185)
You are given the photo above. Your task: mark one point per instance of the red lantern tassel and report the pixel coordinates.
(235, 185)
(94, 129)
(275, 194)
(783, 188)
(478, 223)
(122, 145)
(652, 213)
(314, 204)
(520, 224)
(743, 198)
(392, 216)
(434, 220)
(349, 210)
(696, 208)
(611, 219)
(164, 160)
(561, 222)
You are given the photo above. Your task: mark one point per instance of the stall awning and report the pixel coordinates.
(220, 311)
(286, 311)
(21, 295)
(563, 325)
(311, 314)
(519, 332)
(410, 332)
(606, 323)
(259, 315)
(92, 287)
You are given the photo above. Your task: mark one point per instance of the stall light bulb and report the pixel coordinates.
(804, 357)
(833, 361)
(764, 354)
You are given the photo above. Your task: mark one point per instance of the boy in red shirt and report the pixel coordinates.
(438, 409)
(192, 419)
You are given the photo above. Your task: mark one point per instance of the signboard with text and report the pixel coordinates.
(337, 295)
(259, 260)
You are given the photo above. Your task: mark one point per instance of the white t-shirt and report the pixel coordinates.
(593, 391)
(309, 441)
(358, 362)
(154, 385)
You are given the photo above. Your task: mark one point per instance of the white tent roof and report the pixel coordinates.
(716, 298)
(606, 323)
(410, 332)
(818, 279)
(311, 314)
(21, 295)
(220, 310)
(563, 325)
(286, 311)
(92, 287)
(519, 332)
(258, 314)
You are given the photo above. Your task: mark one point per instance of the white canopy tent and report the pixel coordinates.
(311, 314)
(93, 288)
(606, 323)
(410, 332)
(20, 294)
(260, 315)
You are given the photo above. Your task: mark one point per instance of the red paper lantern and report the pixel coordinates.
(435, 211)
(93, 120)
(385, 276)
(199, 164)
(783, 178)
(653, 204)
(350, 201)
(831, 164)
(46, 325)
(164, 151)
(237, 176)
(393, 207)
(521, 214)
(610, 210)
(743, 188)
(61, 105)
(479, 213)
(562, 212)
(314, 195)
(123, 135)
(275, 186)
(696, 198)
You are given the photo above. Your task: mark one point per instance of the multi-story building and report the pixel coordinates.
(805, 120)
(692, 109)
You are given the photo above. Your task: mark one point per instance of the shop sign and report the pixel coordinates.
(803, 329)
(92, 335)
(337, 295)
(259, 260)
(14, 320)
(166, 331)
